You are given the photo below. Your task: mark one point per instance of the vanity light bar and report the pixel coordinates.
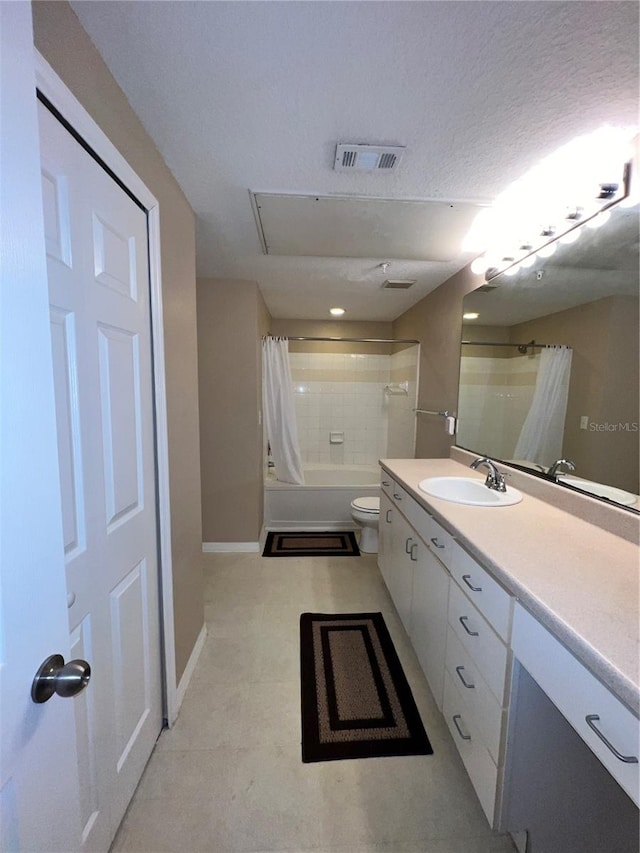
(492, 272)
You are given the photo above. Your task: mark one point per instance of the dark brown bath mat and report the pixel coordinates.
(320, 544)
(356, 701)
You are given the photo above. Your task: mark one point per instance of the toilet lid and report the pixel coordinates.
(366, 504)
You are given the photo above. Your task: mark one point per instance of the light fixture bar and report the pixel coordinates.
(493, 272)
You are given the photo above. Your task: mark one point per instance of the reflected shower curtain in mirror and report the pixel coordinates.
(279, 411)
(543, 429)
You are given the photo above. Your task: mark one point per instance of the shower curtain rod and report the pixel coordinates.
(521, 347)
(354, 340)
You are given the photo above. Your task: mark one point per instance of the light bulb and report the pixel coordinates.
(480, 265)
(529, 261)
(337, 312)
(570, 236)
(547, 251)
(513, 270)
(470, 315)
(629, 201)
(599, 220)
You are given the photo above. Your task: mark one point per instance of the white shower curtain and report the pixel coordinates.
(543, 429)
(279, 411)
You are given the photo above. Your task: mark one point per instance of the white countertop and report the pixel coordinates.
(580, 581)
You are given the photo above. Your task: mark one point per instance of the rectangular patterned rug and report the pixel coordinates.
(340, 543)
(356, 701)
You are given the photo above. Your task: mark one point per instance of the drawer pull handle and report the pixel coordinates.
(415, 559)
(462, 679)
(407, 547)
(467, 580)
(387, 517)
(455, 719)
(463, 622)
(386, 483)
(435, 542)
(397, 497)
(591, 720)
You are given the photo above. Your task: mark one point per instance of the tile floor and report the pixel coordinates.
(228, 777)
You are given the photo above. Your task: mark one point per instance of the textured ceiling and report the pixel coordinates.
(254, 96)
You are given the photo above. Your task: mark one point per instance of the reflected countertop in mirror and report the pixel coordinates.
(516, 405)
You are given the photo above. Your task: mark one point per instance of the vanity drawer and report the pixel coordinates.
(437, 539)
(488, 596)
(474, 754)
(581, 698)
(387, 483)
(483, 645)
(485, 709)
(400, 497)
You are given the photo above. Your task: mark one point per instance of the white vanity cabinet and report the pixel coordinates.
(429, 616)
(417, 581)
(478, 661)
(395, 538)
(609, 728)
(385, 531)
(548, 746)
(459, 620)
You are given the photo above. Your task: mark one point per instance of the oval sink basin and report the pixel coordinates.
(467, 490)
(600, 490)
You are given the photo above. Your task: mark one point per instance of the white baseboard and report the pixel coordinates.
(181, 689)
(310, 526)
(227, 547)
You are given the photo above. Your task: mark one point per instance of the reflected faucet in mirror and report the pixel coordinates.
(553, 469)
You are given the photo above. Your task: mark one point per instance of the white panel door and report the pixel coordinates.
(39, 809)
(97, 262)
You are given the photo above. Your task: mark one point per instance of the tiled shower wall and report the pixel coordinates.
(401, 418)
(495, 396)
(345, 393)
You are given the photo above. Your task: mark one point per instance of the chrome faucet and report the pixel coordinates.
(553, 469)
(495, 479)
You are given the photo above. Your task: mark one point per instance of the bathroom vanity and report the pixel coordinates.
(525, 621)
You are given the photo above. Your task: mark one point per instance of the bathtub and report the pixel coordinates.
(323, 503)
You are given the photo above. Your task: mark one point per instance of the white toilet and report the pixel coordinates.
(366, 512)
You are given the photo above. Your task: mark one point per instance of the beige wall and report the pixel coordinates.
(436, 321)
(232, 317)
(334, 329)
(495, 334)
(63, 42)
(604, 384)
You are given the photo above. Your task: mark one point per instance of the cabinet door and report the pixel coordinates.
(385, 535)
(401, 588)
(429, 617)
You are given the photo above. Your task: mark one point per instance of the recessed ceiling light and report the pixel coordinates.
(471, 315)
(337, 312)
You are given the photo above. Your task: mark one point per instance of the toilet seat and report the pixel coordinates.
(367, 505)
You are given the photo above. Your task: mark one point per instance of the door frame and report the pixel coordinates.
(54, 89)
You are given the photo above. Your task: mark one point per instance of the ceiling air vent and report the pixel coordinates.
(367, 158)
(399, 284)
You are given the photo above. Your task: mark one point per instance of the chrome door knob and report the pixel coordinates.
(56, 676)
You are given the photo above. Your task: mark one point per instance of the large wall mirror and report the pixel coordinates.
(549, 366)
